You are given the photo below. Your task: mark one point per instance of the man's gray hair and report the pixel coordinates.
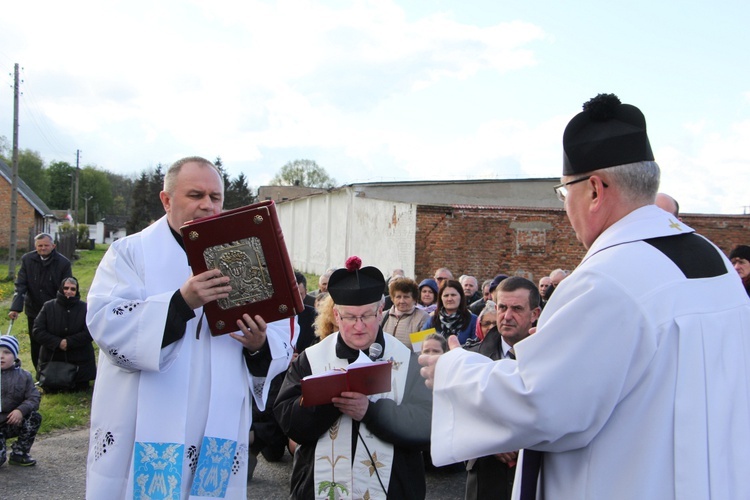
(170, 178)
(639, 181)
(41, 236)
(466, 277)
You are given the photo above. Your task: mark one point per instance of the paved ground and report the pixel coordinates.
(60, 474)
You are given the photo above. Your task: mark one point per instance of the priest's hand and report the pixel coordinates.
(352, 404)
(428, 362)
(252, 334)
(206, 287)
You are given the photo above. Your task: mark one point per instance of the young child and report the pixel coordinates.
(19, 402)
(434, 343)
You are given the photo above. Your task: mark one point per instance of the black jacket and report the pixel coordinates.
(65, 318)
(38, 281)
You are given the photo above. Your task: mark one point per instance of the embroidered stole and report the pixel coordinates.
(336, 471)
(164, 463)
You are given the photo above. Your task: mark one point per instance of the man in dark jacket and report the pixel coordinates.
(40, 276)
(517, 310)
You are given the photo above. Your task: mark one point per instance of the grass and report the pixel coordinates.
(59, 411)
(70, 410)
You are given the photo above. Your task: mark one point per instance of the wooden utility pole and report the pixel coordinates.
(78, 172)
(14, 183)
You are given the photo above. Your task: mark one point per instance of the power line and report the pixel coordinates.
(46, 133)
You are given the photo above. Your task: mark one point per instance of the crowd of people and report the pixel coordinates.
(623, 378)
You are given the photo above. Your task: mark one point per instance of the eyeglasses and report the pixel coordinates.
(561, 190)
(488, 323)
(71, 288)
(440, 279)
(352, 320)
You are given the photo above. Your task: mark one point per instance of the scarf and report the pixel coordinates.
(451, 324)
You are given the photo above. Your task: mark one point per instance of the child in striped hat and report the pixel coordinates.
(19, 402)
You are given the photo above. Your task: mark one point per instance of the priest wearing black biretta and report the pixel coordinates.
(641, 352)
(358, 446)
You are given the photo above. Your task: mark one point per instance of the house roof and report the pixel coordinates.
(527, 192)
(24, 190)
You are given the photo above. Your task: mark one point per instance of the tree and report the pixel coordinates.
(60, 178)
(5, 151)
(31, 170)
(139, 215)
(224, 176)
(122, 193)
(94, 184)
(155, 185)
(237, 194)
(303, 173)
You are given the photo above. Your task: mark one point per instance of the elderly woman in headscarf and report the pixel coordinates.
(487, 320)
(61, 330)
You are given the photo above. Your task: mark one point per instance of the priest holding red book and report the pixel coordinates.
(358, 446)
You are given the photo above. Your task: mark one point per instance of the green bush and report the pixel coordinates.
(82, 238)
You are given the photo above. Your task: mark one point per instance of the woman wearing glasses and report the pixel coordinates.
(60, 328)
(487, 320)
(452, 316)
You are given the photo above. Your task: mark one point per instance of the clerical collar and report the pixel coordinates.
(177, 237)
(343, 351)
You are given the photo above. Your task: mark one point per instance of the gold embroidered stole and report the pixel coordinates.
(335, 468)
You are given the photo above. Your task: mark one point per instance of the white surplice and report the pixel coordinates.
(636, 384)
(166, 421)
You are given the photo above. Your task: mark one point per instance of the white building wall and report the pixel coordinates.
(322, 231)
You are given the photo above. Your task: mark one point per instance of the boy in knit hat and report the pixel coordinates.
(19, 402)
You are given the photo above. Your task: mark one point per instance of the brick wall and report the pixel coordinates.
(485, 241)
(726, 231)
(26, 221)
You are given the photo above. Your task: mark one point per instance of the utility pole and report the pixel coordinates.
(14, 183)
(86, 215)
(78, 172)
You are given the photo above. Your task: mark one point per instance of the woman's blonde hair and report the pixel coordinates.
(324, 324)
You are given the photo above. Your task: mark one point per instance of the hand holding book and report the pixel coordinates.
(365, 378)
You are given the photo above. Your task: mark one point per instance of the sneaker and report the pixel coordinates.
(22, 459)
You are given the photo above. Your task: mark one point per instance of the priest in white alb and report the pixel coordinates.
(636, 384)
(171, 415)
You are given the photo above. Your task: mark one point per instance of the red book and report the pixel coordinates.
(365, 378)
(247, 245)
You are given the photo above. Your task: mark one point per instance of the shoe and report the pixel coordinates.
(252, 463)
(22, 459)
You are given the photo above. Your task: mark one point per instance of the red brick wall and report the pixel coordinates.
(485, 241)
(25, 222)
(726, 231)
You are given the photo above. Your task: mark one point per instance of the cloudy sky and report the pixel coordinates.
(380, 90)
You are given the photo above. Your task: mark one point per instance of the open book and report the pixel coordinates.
(366, 378)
